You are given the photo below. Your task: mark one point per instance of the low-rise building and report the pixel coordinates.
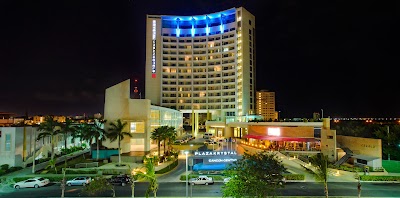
(141, 117)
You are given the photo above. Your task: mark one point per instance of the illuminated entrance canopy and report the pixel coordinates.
(214, 153)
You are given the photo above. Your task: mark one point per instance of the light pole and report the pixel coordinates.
(322, 113)
(388, 143)
(187, 179)
(34, 152)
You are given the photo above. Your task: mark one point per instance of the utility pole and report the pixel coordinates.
(322, 113)
(388, 142)
(34, 152)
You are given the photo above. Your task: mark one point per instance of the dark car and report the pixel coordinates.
(120, 180)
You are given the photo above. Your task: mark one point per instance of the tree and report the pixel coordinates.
(98, 185)
(159, 134)
(49, 128)
(115, 132)
(320, 162)
(66, 129)
(80, 132)
(52, 165)
(171, 137)
(149, 175)
(254, 175)
(99, 134)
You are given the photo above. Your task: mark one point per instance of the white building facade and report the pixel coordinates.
(202, 64)
(141, 117)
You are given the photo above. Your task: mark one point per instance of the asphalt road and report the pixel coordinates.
(178, 189)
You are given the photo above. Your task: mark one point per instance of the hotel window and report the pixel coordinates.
(8, 142)
(137, 127)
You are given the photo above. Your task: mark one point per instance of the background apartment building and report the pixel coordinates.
(265, 105)
(203, 64)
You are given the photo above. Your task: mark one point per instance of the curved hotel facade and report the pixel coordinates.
(202, 64)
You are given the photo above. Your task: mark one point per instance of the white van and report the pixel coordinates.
(207, 135)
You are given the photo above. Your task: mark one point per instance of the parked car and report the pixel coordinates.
(180, 141)
(207, 135)
(278, 181)
(79, 181)
(227, 179)
(209, 141)
(201, 180)
(35, 182)
(122, 180)
(189, 137)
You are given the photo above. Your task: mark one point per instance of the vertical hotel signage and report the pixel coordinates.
(153, 56)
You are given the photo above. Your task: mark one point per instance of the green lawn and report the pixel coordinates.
(391, 166)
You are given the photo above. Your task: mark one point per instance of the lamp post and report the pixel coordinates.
(34, 152)
(187, 179)
(388, 142)
(322, 113)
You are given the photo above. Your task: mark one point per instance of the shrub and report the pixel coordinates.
(14, 168)
(379, 178)
(2, 172)
(168, 168)
(4, 167)
(91, 171)
(294, 176)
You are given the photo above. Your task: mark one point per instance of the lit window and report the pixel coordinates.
(8, 142)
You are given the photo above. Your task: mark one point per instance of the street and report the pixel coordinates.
(178, 189)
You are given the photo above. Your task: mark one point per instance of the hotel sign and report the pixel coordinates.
(153, 57)
(214, 153)
(219, 160)
(274, 131)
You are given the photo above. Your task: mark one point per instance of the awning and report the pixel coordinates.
(275, 138)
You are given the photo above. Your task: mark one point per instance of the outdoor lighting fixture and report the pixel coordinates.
(187, 179)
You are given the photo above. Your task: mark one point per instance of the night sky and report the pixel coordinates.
(58, 57)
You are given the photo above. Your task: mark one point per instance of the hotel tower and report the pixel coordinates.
(202, 64)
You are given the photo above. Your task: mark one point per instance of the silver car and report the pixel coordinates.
(201, 180)
(79, 181)
(35, 182)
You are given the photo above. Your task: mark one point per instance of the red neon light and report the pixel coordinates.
(153, 75)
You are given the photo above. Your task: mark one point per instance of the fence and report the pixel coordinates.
(87, 165)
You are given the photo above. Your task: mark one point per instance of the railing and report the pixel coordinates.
(87, 165)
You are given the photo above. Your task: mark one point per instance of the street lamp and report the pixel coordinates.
(187, 179)
(388, 142)
(34, 152)
(322, 113)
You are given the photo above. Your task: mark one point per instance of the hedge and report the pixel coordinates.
(294, 176)
(168, 168)
(379, 178)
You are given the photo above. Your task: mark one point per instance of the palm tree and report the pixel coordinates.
(320, 162)
(150, 175)
(98, 133)
(76, 133)
(171, 136)
(49, 128)
(52, 164)
(159, 135)
(66, 129)
(115, 132)
(80, 132)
